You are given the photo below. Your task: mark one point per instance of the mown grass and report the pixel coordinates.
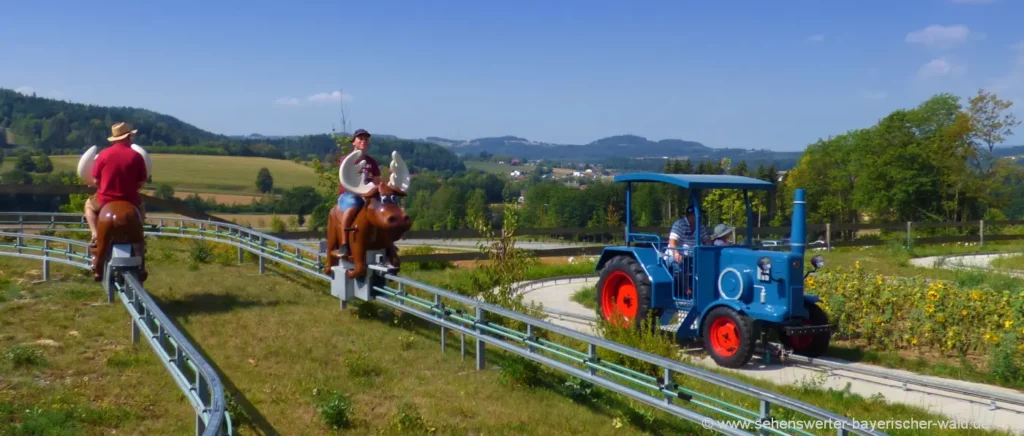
(294, 364)
(291, 360)
(209, 174)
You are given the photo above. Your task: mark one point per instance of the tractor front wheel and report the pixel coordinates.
(810, 345)
(623, 292)
(729, 337)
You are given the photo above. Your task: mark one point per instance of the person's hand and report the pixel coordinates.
(677, 256)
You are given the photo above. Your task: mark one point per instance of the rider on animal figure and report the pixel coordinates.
(348, 202)
(118, 173)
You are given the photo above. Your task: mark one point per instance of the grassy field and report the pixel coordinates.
(219, 198)
(66, 363)
(209, 174)
(496, 168)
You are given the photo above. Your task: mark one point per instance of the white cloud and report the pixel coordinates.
(940, 67)
(1013, 82)
(26, 90)
(322, 97)
(817, 38)
(940, 36)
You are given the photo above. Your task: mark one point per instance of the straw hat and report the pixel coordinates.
(721, 230)
(120, 131)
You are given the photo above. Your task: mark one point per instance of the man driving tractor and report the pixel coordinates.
(348, 202)
(118, 174)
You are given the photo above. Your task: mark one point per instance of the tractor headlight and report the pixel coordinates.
(764, 264)
(817, 261)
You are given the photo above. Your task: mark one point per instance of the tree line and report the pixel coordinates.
(934, 162)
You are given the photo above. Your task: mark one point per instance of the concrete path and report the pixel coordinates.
(958, 408)
(560, 308)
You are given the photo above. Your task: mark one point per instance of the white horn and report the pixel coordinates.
(350, 177)
(399, 173)
(85, 165)
(149, 163)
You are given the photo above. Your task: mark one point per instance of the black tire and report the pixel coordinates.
(729, 337)
(818, 344)
(619, 275)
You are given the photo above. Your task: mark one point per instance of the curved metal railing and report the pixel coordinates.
(194, 375)
(453, 311)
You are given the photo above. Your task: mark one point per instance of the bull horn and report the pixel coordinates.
(145, 156)
(350, 177)
(85, 164)
(399, 172)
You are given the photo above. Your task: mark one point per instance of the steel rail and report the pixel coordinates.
(206, 393)
(256, 242)
(987, 396)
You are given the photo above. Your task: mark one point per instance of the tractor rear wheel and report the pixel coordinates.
(623, 292)
(810, 345)
(729, 337)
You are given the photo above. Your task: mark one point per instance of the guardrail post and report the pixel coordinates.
(46, 262)
(529, 337)
(766, 416)
(592, 351)
(444, 331)
(241, 256)
(479, 343)
(981, 234)
(668, 383)
(262, 265)
(202, 393)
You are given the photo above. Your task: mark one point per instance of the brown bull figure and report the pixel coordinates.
(119, 222)
(379, 222)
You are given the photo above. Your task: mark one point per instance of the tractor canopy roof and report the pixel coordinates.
(698, 181)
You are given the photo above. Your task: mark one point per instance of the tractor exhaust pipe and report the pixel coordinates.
(798, 233)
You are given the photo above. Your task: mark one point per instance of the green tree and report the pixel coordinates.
(164, 191)
(476, 207)
(264, 181)
(25, 163)
(43, 164)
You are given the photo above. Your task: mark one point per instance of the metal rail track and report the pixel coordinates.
(190, 370)
(488, 325)
(995, 400)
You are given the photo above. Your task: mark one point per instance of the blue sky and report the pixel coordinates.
(758, 74)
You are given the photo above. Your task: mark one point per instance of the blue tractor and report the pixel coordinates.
(729, 296)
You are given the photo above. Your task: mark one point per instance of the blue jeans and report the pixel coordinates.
(349, 200)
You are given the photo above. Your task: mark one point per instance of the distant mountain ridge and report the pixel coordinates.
(613, 147)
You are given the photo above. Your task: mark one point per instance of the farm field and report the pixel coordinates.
(496, 168)
(209, 174)
(219, 198)
(65, 331)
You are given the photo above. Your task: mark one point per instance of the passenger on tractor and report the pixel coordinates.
(723, 235)
(682, 239)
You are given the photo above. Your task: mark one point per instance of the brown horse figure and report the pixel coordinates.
(378, 223)
(119, 222)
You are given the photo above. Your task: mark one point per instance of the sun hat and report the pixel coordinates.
(721, 230)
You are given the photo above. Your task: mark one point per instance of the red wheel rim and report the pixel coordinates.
(619, 298)
(799, 342)
(725, 338)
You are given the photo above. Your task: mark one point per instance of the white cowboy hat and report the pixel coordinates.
(721, 230)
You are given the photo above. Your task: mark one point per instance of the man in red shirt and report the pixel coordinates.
(118, 173)
(348, 202)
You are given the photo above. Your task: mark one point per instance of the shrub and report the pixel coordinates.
(23, 356)
(519, 372)
(335, 410)
(912, 313)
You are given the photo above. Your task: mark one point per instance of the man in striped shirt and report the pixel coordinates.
(682, 234)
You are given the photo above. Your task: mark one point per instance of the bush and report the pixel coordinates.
(335, 410)
(519, 372)
(22, 356)
(912, 313)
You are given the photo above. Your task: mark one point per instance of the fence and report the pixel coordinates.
(189, 369)
(483, 323)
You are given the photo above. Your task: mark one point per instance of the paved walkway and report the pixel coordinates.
(556, 299)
